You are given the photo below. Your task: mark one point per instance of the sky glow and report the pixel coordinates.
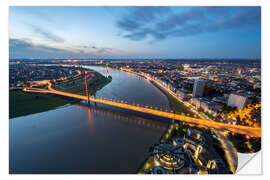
(135, 32)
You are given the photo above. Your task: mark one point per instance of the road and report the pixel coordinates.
(230, 151)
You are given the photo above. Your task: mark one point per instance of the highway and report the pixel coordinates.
(250, 131)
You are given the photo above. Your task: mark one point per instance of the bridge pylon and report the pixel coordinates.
(107, 71)
(86, 87)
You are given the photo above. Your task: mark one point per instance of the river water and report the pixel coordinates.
(89, 139)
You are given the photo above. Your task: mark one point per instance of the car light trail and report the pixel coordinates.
(250, 131)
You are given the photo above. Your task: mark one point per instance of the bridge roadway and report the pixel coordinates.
(250, 131)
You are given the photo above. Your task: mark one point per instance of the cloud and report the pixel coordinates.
(243, 17)
(194, 21)
(217, 10)
(94, 48)
(24, 48)
(47, 34)
(128, 24)
(19, 48)
(21, 45)
(140, 16)
(104, 50)
(180, 19)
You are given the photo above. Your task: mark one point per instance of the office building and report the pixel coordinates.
(198, 88)
(237, 100)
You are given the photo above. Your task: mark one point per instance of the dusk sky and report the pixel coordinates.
(135, 32)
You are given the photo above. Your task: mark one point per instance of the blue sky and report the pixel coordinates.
(134, 32)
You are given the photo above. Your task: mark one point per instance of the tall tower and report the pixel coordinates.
(107, 72)
(198, 88)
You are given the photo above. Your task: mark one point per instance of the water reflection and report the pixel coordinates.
(91, 121)
(132, 89)
(125, 117)
(95, 139)
(81, 139)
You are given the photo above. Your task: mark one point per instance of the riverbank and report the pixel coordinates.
(95, 82)
(25, 103)
(179, 107)
(176, 105)
(80, 124)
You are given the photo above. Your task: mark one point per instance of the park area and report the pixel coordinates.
(24, 103)
(95, 82)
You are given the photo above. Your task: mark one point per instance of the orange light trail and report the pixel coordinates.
(250, 131)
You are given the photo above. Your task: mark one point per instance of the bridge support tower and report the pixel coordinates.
(86, 87)
(107, 71)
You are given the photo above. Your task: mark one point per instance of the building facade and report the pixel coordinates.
(237, 100)
(198, 88)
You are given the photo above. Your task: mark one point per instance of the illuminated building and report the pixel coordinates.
(183, 94)
(191, 154)
(198, 88)
(237, 100)
(196, 102)
(172, 158)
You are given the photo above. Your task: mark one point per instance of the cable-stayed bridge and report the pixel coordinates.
(250, 131)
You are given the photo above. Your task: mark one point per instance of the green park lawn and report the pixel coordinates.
(24, 103)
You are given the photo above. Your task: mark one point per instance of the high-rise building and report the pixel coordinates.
(237, 100)
(198, 88)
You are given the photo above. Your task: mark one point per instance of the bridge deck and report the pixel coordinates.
(250, 131)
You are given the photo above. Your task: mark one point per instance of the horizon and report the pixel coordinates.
(156, 59)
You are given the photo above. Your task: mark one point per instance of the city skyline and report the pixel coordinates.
(135, 32)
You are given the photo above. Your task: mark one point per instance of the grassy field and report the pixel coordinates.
(22, 103)
(179, 107)
(77, 86)
(176, 105)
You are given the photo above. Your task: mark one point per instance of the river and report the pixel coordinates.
(89, 139)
